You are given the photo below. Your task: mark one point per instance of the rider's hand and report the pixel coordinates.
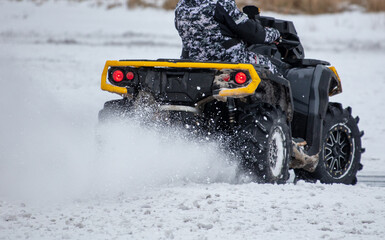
(278, 41)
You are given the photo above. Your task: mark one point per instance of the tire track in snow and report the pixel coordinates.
(372, 180)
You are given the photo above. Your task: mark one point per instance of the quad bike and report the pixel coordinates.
(259, 114)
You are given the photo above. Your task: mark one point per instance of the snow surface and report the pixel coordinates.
(62, 177)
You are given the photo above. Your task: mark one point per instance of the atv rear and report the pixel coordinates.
(243, 102)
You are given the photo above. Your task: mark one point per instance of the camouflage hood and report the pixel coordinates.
(194, 3)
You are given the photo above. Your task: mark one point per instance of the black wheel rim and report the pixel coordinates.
(338, 151)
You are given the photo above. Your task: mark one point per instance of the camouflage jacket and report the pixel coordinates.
(215, 30)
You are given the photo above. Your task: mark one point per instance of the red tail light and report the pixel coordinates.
(130, 75)
(117, 75)
(240, 78)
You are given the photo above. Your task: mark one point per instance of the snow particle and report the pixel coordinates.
(196, 204)
(274, 206)
(169, 234)
(147, 212)
(272, 228)
(378, 197)
(205, 226)
(10, 218)
(183, 207)
(69, 221)
(232, 205)
(312, 194)
(367, 221)
(79, 225)
(326, 229)
(26, 215)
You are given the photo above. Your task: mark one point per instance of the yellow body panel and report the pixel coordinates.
(339, 87)
(234, 92)
(335, 72)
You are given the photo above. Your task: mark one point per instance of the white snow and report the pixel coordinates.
(62, 177)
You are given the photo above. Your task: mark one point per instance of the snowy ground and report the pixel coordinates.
(57, 182)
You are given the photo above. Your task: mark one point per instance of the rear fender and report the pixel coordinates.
(311, 89)
(277, 92)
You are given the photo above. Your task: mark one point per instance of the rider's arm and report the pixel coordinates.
(236, 24)
(272, 35)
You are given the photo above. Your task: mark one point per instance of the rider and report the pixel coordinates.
(216, 30)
